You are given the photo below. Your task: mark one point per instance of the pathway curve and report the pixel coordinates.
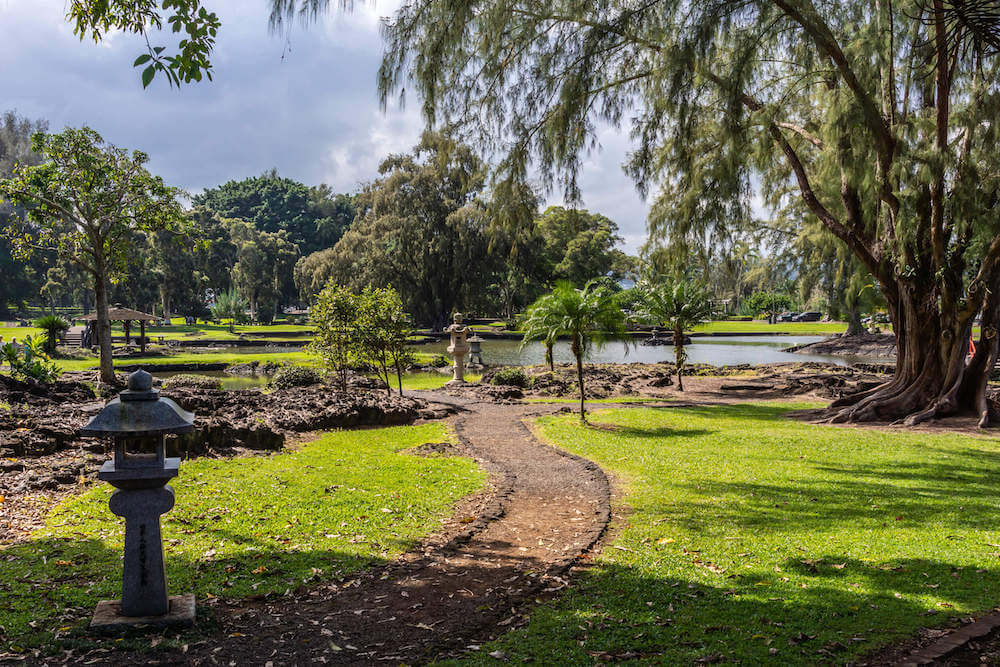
(471, 582)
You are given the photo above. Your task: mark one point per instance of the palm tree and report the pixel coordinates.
(588, 316)
(538, 323)
(678, 306)
(54, 326)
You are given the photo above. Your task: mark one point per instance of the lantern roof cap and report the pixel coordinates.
(139, 411)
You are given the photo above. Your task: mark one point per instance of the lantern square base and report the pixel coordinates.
(108, 615)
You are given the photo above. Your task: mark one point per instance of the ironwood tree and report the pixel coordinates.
(878, 118)
(421, 228)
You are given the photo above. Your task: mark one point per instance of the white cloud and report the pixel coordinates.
(304, 102)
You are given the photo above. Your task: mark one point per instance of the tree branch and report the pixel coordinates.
(798, 129)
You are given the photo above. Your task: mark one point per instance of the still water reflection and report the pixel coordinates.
(715, 351)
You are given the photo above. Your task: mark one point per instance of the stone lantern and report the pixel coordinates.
(476, 351)
(459, 347)
(137, 420)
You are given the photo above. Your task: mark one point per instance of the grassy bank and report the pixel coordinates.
(762, 327)
(240, 527)
(754, 538)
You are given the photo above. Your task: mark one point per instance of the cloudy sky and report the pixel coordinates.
(304, 103)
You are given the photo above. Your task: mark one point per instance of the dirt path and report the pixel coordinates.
(469, 583)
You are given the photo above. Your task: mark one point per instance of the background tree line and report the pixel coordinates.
(426, 224)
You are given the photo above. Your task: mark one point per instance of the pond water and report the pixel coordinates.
(721, 351)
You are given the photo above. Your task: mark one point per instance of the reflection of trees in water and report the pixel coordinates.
(763, 350)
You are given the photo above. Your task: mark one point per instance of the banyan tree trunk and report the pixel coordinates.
(935, 376)
(853, 322)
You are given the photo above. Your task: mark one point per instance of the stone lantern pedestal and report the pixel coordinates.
(138, 420)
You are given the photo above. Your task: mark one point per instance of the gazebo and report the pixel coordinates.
(126, 316)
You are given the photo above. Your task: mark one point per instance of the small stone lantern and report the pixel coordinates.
(138, 420)
(476, 351)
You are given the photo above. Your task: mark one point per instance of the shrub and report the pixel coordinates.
(440, 361)
(28, 360)
(193, 381)
(513, 376)
(54, 326)
(295, 376)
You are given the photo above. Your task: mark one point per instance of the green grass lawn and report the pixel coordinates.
(20, 333)
(761, 326)
(613, 399)
(180, 331)
(240, 527)
(754, 538)
(299, 358)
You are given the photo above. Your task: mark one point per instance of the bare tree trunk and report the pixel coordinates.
(679, 355)
(578, 353)
(103, 323)
(853, 322)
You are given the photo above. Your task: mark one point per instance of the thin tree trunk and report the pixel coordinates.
(578, 353)
(679, 356)
(103, 323)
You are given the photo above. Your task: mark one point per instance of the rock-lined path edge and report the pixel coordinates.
(470, 582)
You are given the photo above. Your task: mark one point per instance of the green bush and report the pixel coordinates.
(54, 326)
(28, 360)
(513, 376)
(193, 381)
(440, 361)
(295, 376)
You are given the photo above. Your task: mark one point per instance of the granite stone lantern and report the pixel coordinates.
(137, 420)
(476, 351)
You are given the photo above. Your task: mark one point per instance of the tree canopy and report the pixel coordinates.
(417, 228)
(86, 202)
(879, 120)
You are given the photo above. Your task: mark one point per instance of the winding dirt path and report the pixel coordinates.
(465, 585)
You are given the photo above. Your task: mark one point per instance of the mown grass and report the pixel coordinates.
(240, 527)
(755, 538)
(299, 358)
(761, 326)
(20, 333)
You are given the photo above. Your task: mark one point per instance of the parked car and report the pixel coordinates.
(787, 316)
(808, 316)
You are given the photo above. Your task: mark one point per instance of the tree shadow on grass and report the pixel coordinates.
(618, 613)
(745, 411)
(50, 586)
(963, 488)
(640, 432)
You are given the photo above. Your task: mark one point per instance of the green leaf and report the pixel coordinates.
(142, 60)
(147, 75)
